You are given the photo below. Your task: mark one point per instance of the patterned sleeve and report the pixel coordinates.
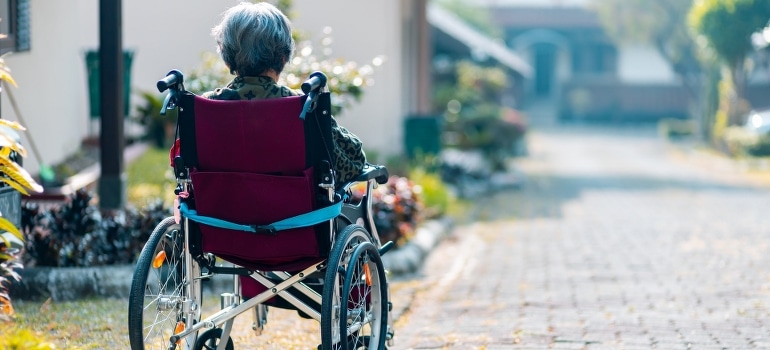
(349, 153)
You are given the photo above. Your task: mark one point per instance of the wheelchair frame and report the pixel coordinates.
(166, 261)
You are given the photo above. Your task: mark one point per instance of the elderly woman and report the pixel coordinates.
(255, 42)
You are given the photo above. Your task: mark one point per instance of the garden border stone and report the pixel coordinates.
(409, 258)
(73, 283)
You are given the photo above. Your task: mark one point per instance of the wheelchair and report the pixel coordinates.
(257, 200)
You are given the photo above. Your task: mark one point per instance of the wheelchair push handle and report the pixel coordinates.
(173, 83)
(173, 78)
(315, 82)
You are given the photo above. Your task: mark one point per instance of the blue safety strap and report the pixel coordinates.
(307, 219)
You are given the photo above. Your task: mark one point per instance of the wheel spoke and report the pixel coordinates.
(158, 290)
(353, 313)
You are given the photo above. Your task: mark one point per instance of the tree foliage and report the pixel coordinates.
(727, 25)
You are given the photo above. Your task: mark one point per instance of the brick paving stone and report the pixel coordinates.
(600, 346)
(612, 243)
(568, 345)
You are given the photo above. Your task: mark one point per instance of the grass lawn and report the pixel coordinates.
(103, 324)
(82, 325)
(98, 323)
(150, 179)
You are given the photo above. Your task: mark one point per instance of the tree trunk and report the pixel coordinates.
(739, 105)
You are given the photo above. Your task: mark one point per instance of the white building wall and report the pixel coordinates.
(172, 34)
(644, 65)
(362, 30)
(53, 91)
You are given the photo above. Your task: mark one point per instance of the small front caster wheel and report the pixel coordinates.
(209, 340)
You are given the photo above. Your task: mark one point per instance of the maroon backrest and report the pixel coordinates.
(259, 136)
(249, 165)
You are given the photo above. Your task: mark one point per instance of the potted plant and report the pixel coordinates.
(159, 128)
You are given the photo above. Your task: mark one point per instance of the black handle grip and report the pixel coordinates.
(315, 82)
(173, 78)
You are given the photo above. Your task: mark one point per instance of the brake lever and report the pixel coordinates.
(169, 102)
(309, 105)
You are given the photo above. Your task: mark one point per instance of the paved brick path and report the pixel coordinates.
(613, 243)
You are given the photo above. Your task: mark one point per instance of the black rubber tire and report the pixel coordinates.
(209, 340)
(374, 302)
(347, 239)
(149, 284)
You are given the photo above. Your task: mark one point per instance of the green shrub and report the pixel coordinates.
(77, 233)
(159, 128)
(150, 179)
(761, 148)
(676, 128)
(737, 141)
(435, 196)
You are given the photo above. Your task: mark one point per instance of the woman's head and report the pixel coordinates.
(254, 39)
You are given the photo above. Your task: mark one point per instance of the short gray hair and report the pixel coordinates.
(254, 38)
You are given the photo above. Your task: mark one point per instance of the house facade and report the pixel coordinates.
(53, 89)
(584, 75)
(453, 40)
(580, 71)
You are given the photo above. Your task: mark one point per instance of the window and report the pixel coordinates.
(14, 25)
(594, 58)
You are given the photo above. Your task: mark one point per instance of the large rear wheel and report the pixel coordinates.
(354, 306)
(159, 295)
(364, 320)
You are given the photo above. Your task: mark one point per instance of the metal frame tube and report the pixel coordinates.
(301, 287)
(370, 186)
(231, 312)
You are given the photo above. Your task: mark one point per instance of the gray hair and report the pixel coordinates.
(254, 38)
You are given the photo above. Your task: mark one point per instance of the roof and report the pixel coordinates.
(545, 17)
(532, 3)
(455, 27)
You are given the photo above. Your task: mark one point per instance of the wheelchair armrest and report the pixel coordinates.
(373, 171)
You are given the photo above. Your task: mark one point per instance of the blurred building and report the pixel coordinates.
(586, 76)
(453, 40)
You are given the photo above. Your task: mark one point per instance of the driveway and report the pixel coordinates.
(616, 240)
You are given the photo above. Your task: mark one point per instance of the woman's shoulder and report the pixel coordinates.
(249, 88)
(222, 94)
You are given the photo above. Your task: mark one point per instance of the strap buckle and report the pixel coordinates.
(265, 229)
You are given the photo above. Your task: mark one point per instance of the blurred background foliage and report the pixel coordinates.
(469, 96)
